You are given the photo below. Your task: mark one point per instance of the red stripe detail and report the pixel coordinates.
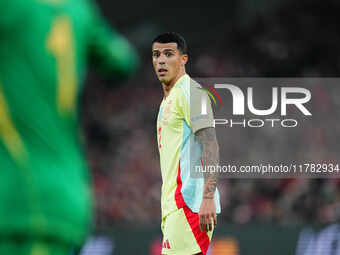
(201, 237)
(201, 161)
(178, 194)
(215, 92)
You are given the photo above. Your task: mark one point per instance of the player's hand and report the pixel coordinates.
(207, 214)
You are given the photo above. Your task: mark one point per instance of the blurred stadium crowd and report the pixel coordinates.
(281, 39)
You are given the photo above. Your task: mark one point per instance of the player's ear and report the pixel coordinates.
(184, 59)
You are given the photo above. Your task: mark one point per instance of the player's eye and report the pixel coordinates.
(155, 54)
(168, 54)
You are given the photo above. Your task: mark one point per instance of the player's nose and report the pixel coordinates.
(161, 59)
(161, 64)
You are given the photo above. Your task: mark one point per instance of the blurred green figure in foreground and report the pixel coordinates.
(45, 49)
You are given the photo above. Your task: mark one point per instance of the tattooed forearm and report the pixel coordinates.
(210, 157)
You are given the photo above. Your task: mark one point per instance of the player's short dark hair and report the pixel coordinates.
(170, 37)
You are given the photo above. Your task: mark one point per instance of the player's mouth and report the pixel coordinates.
(162, 71)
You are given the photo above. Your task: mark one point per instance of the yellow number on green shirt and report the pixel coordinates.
(60, 44)
(8, 133)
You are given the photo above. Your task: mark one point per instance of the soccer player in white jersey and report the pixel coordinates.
(189, 205)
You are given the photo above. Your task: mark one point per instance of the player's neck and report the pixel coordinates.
(167, 88)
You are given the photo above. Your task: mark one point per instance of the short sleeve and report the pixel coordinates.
(196, 116)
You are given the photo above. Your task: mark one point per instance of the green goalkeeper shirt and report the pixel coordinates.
(45, 48)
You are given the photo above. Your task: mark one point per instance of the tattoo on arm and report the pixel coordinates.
(210, 157)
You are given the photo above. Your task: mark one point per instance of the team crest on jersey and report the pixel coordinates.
(166, 244)
(167, 113)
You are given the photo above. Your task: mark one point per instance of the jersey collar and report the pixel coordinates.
(182, 79)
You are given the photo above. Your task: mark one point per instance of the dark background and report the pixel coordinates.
(241, 38)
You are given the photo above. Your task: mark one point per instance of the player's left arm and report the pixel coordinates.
(203, 127)
(210, 157)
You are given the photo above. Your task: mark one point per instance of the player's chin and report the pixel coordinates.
(163, 79)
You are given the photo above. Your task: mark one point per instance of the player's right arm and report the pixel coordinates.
(109, 50)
